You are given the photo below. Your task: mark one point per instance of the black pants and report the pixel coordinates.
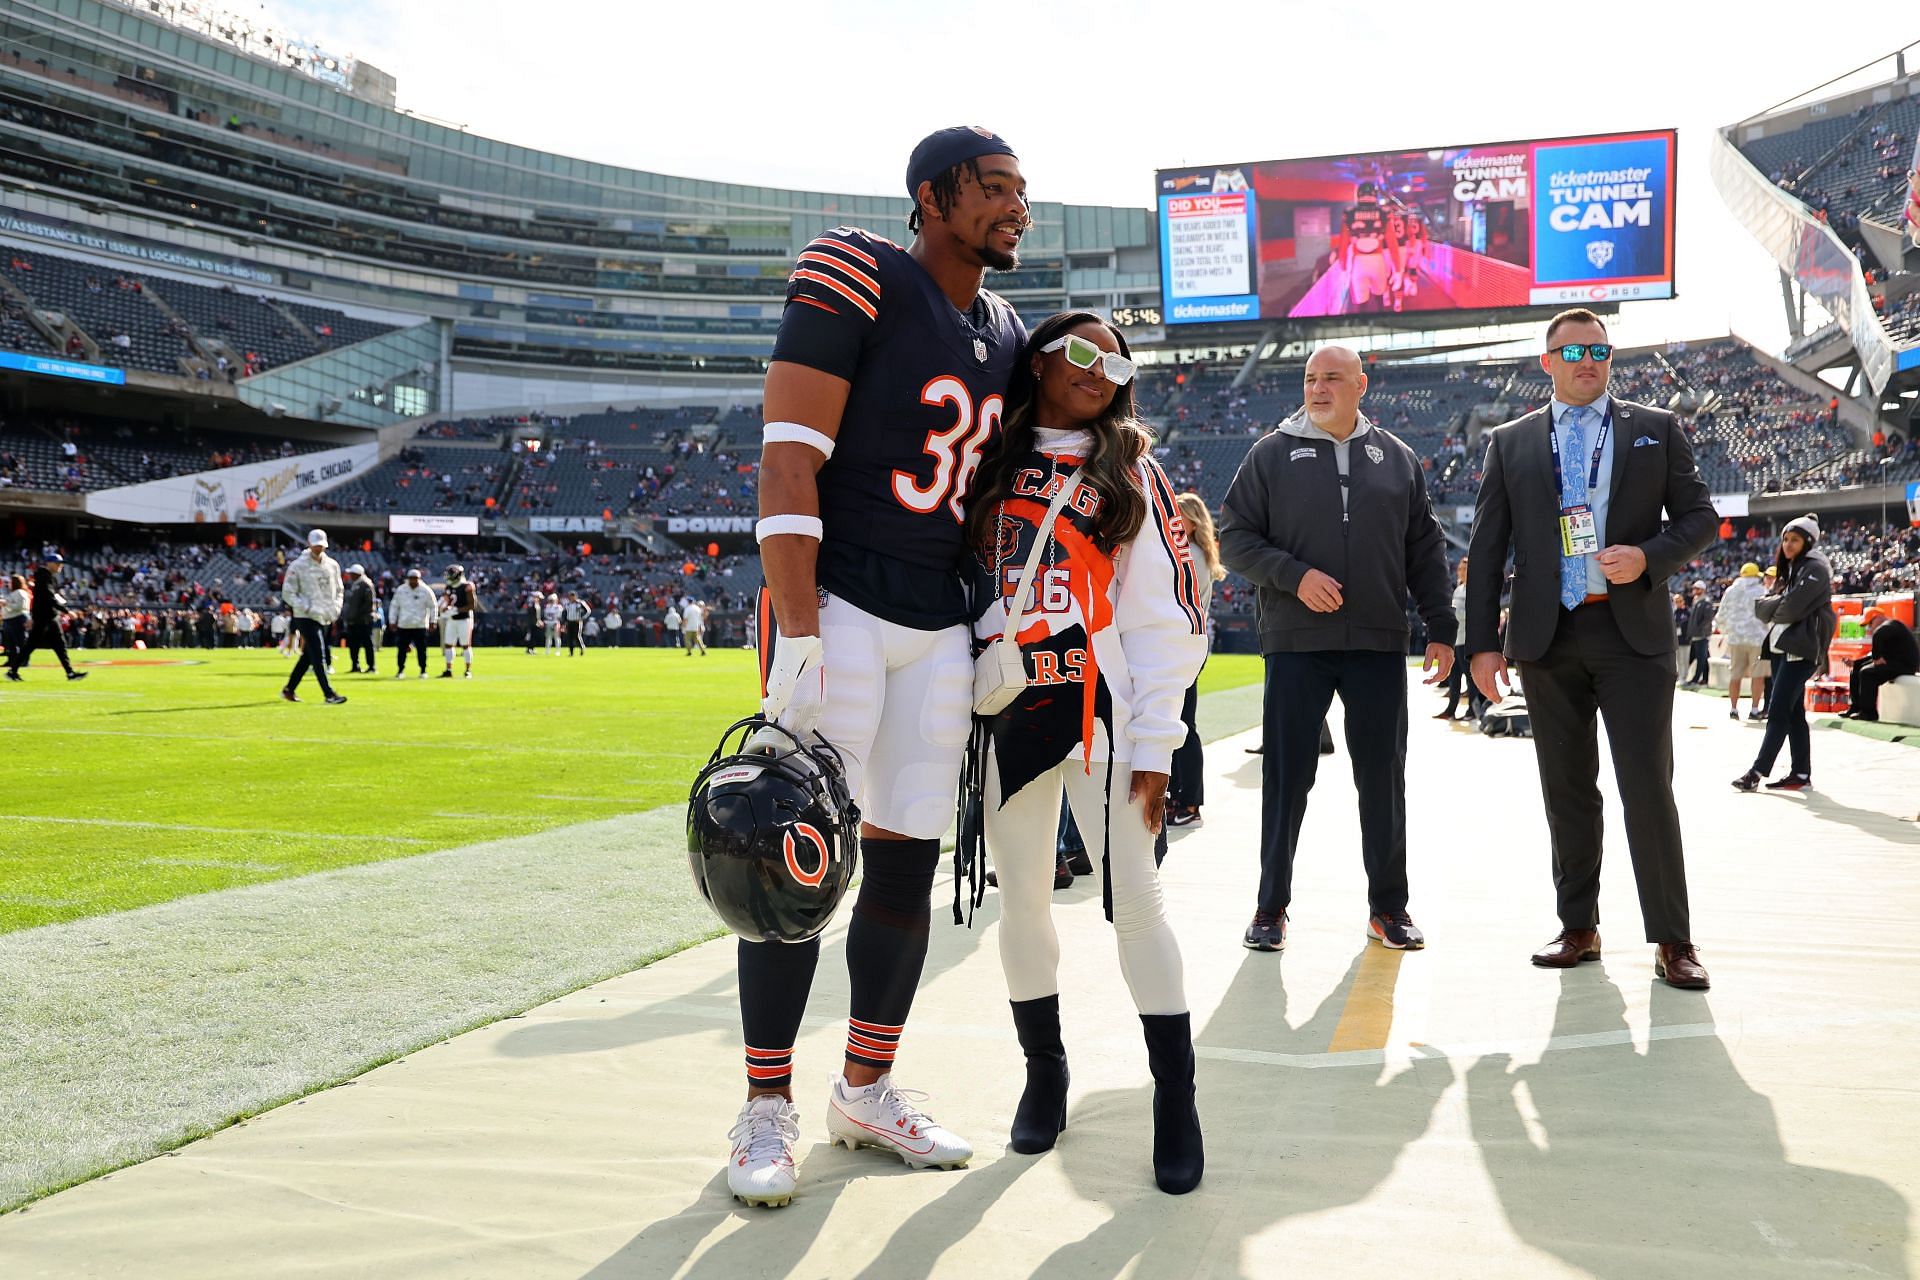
(313, 653)
(13, 634)
(1864, 686)
(570, 637)
(415, 638)
(1701, 671)
(1787, 717)
(359, 641)
(44, 634)
(1300, 688)
(1460, 680)
(1589, 667)
(1186, 784)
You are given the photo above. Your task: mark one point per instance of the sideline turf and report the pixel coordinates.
(242, 788)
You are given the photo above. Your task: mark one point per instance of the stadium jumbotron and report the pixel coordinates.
(398, 512)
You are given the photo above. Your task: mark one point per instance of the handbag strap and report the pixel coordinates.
(1016, 621)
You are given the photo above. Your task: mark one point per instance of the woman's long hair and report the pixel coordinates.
(1200, 534)
(1120, 439)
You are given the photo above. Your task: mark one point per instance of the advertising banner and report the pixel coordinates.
(51, 368)
(1514, 224)
(223, 495)
(456, 526)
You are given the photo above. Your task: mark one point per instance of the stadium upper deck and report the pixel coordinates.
(238, 166)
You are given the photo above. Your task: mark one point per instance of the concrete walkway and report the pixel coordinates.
(1449, 1113)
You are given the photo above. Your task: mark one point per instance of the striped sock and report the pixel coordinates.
(769, 1068)
(872, 1045)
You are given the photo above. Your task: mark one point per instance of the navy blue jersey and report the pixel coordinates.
(927, 388)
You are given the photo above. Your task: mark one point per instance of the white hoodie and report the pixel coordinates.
(413, 606)
(312, 588)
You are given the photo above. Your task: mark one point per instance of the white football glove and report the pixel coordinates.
(795, 685)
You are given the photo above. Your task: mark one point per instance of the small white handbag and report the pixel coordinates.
(1000, 673)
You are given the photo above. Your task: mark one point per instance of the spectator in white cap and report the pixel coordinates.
(1699, 634)
(356, 618)
(312, 591)
(413, 611)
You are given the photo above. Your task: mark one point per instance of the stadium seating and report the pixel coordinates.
(106, 452)
(161, 318)
(423, 480)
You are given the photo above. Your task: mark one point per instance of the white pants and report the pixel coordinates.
(898, 707)
(1020, 840)
(456, 633)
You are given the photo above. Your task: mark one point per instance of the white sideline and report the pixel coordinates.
(250, 996)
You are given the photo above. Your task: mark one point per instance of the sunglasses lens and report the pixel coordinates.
(1118, 368)
(1080, 353)
(1573, 353)
(1601, 351)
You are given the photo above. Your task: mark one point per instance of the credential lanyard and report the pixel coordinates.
(1593, 474)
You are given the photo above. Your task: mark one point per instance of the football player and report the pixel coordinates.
(456, 620)
(1370, 251)
(888, 380)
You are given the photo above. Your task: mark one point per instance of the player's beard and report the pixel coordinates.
(996, 260)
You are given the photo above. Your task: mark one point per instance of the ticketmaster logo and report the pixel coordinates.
(1229, 309)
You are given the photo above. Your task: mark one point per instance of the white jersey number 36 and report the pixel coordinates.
(955, 450)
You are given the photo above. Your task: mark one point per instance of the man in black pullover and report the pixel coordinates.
(1894, 654)
(1329, 518)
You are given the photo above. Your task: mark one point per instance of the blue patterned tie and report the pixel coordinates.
(1573, 473)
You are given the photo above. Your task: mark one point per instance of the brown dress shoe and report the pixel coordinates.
(1680, 966)
(1569, 949)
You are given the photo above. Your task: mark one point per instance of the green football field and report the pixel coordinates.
(173, 773)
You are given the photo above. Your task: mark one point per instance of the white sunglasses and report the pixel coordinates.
(1082, 354)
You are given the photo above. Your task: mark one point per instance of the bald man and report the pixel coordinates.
(1329, 518)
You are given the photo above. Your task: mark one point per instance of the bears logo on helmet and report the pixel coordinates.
(772, 837)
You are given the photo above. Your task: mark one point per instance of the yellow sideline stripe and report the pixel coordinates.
(1367, 1015)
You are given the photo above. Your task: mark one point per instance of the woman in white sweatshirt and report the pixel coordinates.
(1112, 636)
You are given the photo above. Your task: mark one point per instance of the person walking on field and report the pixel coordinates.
(313, 591)
(43, 619)
(673, 625)
(693, 623)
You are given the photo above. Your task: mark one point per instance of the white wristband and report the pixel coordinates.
(796, 433)
(805, 526)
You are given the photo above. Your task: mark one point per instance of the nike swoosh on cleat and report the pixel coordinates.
(884, 1136)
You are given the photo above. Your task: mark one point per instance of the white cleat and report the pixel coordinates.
(884, 1117)
(760, 1170)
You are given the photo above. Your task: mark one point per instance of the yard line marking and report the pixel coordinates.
(223, 831)
(271, 738)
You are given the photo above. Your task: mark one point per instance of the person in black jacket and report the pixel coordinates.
(356, 618)
(1894, 654)
(1798, 611)
(1699, 637)
(1329, 518)
(43, 629)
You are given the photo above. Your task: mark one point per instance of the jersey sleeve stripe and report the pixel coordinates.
(1186, 579)
(852, 275)
(802, 273)
(833, 242)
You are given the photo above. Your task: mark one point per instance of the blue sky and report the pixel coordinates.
(832, 96)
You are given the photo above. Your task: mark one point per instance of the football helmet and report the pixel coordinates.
(454, 572)
(772, 836)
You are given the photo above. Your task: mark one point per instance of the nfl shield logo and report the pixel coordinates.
(1599, 253)
(1375, 454)
(980, 350)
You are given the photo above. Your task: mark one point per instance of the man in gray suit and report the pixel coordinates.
(1575, 490)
